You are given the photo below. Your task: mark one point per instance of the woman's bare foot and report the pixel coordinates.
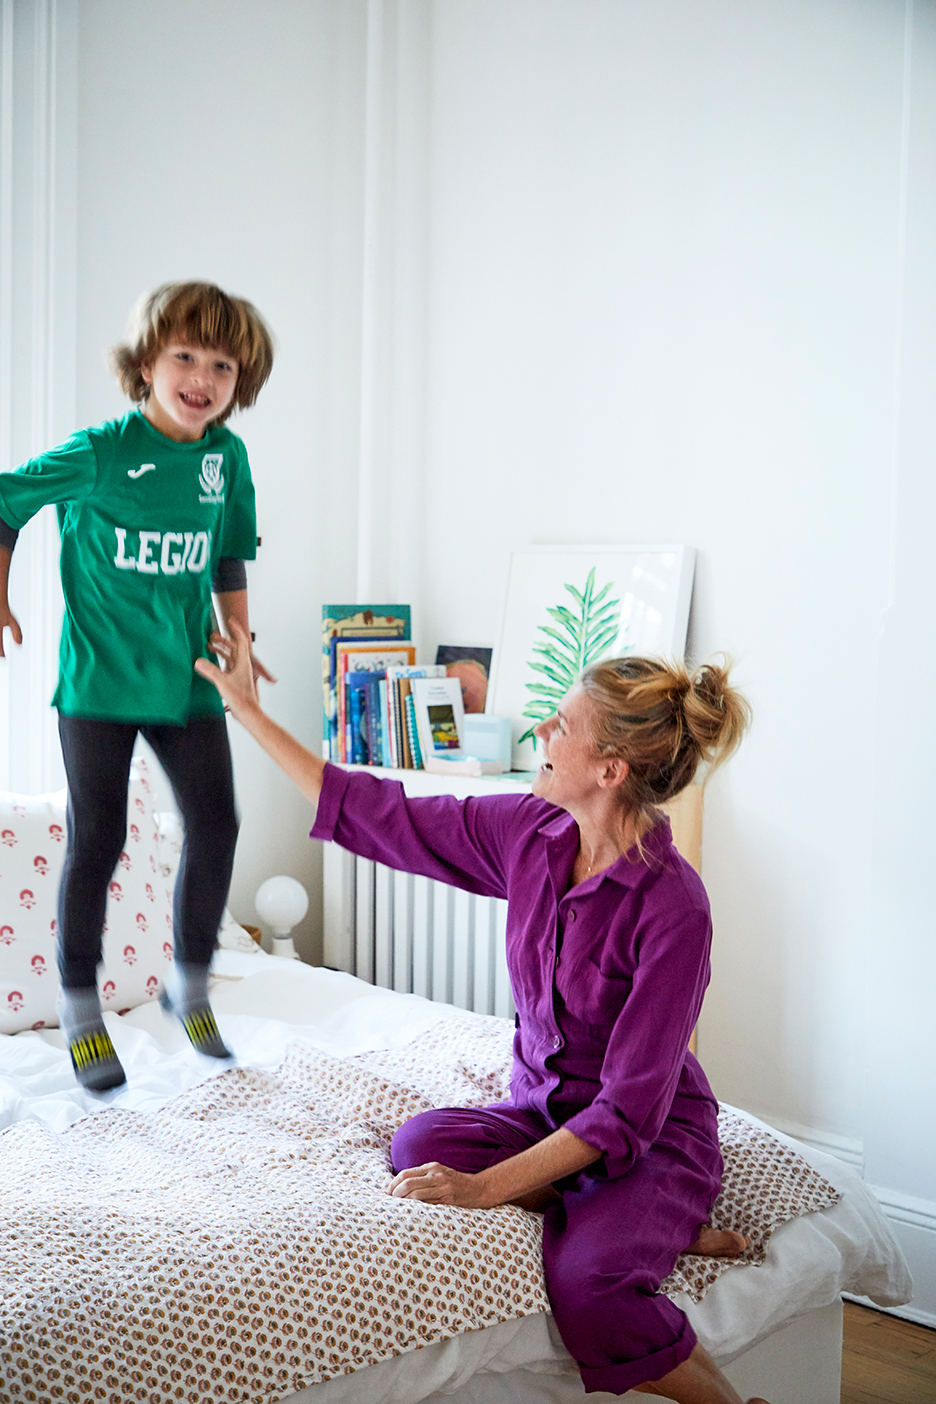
(719, 1243)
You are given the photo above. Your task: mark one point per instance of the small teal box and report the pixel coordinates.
(487, 737)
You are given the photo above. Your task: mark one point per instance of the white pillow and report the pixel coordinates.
(138, 925)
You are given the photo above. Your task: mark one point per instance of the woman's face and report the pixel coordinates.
(571, 766)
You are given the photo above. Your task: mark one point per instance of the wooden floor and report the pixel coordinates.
(886, 1361)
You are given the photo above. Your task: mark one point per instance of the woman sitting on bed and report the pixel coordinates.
(611, 1126)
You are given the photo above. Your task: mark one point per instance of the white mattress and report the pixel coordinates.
(264, 1004)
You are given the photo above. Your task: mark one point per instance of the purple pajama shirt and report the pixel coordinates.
(608, 979)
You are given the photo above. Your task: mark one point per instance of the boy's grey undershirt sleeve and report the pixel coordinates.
(230, 575)
(9, 534)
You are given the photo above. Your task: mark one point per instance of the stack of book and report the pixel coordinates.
(368, 665)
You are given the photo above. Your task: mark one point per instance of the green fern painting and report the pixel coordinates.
(581, 635)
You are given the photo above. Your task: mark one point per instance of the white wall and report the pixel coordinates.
(667, 294)
(592, 270)
(663, 300)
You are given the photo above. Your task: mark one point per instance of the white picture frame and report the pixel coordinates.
(652, 585)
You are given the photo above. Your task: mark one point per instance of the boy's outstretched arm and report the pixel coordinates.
(239, 691)
(8, 619)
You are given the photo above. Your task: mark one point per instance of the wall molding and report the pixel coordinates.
(394, 291)
(908, 1215)
(847, 1148)
(6, 321)
(903, 1313)
(906, 1208)
(38, 174)
(43, 546)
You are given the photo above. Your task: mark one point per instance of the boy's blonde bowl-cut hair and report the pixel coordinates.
(202, 315)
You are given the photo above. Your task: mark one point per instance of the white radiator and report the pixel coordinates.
(412, 934)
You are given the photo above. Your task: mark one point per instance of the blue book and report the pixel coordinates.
(357, 750)
(385, 756)
(373, 719)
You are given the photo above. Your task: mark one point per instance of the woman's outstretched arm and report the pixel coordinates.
(438, 836)
(239, 691)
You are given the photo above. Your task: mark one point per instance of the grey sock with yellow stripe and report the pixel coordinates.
(94, 1060)
(186, 996)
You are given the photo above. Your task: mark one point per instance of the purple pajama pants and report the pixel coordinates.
(609, 1243)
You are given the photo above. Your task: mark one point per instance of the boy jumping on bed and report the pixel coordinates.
(156, 512)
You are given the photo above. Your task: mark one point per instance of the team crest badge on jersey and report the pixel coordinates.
(211, 478)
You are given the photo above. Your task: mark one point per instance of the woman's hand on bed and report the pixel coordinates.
(524, 1179)
(438, 1184)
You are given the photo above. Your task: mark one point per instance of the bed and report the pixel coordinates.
(228, 1236)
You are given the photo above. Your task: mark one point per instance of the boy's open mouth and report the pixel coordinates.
(195, 401)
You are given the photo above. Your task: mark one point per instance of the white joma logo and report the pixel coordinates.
(143, 468)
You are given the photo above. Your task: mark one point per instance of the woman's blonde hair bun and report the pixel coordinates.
(664, 721)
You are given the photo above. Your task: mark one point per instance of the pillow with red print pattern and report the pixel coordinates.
(138, 925)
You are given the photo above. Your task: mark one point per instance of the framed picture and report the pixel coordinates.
(471, 664)
(568, 606)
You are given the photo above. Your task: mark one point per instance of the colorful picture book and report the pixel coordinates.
(440, 715)
(352, 622)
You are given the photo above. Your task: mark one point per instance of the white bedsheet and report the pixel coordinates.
(264, 1004)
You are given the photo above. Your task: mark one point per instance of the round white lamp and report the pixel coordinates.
(282, 902)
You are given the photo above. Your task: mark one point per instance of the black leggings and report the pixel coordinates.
(197, 759)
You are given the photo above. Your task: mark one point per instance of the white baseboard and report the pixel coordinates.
(913, 1220)
(904, 1313)
(906, 1208)
(847, 1148)
(915, 1231)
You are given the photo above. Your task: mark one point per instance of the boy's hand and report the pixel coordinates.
(237, 682)
(8, 620)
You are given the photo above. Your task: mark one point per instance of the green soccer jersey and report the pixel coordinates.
(144, 521)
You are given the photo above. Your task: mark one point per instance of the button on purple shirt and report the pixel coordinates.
(601, 1040)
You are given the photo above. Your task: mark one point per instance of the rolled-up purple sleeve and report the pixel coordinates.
(334, 784)
(646, 1060)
